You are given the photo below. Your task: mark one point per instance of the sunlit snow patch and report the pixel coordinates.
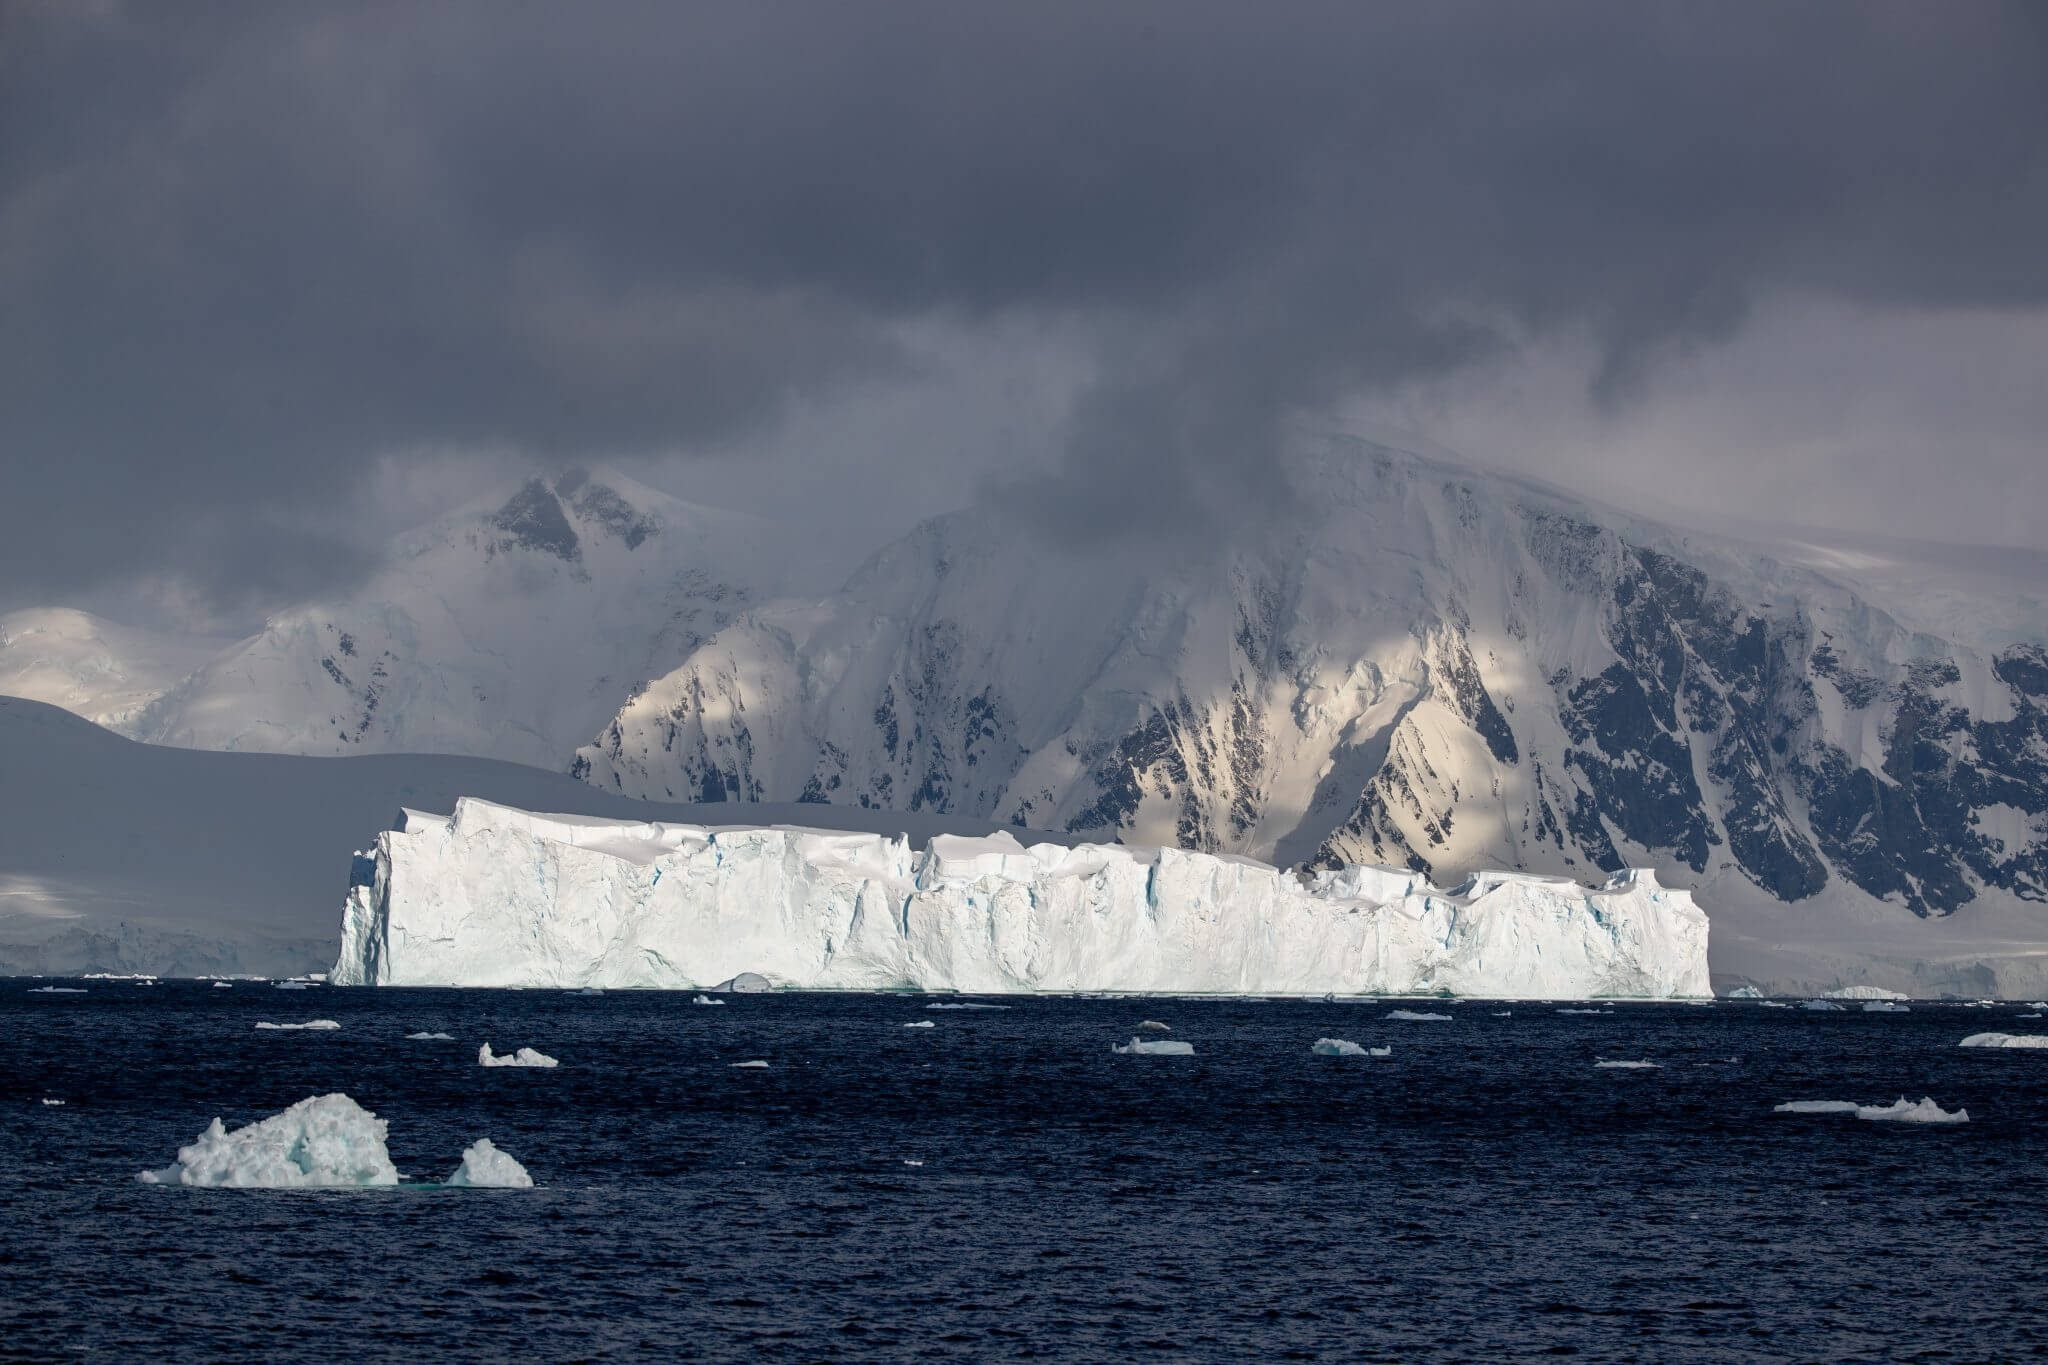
(1161, 1047)
(2005, 1040)
(485, 1167)
(1630, 1066)
(1341, 1047)
(1816, 1107)
(525, 1056)
(320, 1025)
(326, 1141)
(1904, 1111)
(430, 1037)
(1419, 1017)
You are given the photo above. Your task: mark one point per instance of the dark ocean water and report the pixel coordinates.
(1486, 1192)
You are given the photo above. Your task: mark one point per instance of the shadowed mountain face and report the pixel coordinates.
(1430, 667)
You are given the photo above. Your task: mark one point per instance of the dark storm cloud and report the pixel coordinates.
(246, 248)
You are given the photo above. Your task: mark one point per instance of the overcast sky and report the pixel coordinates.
(277, 279)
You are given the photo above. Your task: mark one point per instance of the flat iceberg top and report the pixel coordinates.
(323, 1142)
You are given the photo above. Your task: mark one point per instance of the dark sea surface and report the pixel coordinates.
(1486, 1192)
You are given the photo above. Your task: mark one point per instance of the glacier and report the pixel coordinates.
(496, 896)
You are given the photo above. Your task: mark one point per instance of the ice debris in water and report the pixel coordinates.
(1630, 1066)
(1155, 1026)
(2029, 1016)
(965, 1005)
(1159, 1047)
(319, 1025)
(2005, 1040)
(1585, 1011)
(56, 990)
(1885, 1007)
(525, 1056)
(1817, 1107)
(54, 1103)
(485, 1167)
(1820, 1005)
(1503, 1014)
(704, 1000)
(1904, 1111)
(430, 1037)
(293, 985)
(1341, 1047)
(750, 1066)
(328, 1140)
(920, 1023)
(222, 986)
(1419, 1017)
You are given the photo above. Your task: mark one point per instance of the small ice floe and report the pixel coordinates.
(525, 1056)
(920, 1023)
(2027, 1016)
(293, 985)
(1774, 1004)
(1585, 1011)
(1885, 1007)
(965, 1005)
(326, 1141)
(909, 1161)
(1820, 1005)
(430, 1037)
(2005, 1040)
(1503, 1014)
(704, 1000)
(54, 1104)
(1816, 1107)
(484, 1167)
(1745, 993)
(1903, 1110)
(2037, 1004)
(1155, 1047)
(1629, 1066)
(56, 990)
(1343, 1047)
(756, 1065)
(318, 1025)
(1154, 1026)
(1419, 1017)
(222, 986)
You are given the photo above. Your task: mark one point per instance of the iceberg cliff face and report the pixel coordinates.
(493, 896)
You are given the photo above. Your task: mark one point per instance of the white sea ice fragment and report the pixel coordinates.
(1419, 1017)
(1160, 1047)
(1774, 1004)
(56, 990)
(704, 1000)
(1904, 1111)
(525, 1056)
(430, 1037)
(1820, 1005)
(920, 1023)
(1153, 1025)
(1885, 1007)
(54, 1103)
(1816, 1107)
(1585, 1011)
(328, 1140)
(1630, 1066)
(485, 1167)
(222, 986)
(1342, 1047)
(1745, 993)
(2005, 1040)
(1503, 1014)
(965, 1005)
(293, 985)
(317, 1025)
(756, 1065)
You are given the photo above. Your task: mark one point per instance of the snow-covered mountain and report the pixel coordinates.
(510, 629)
(1422, 665)
(95, 668)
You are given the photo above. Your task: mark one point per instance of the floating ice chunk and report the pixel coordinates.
(55, 1104)
(293, 985)
(750, 1066)
(704, 1000)
(318, 1025)
(1157, 1047)
(328, 1140)
(525, 1056)
(1820, 1005)
(1503, 1014)
(2027, 1016)
(2005, 1040)
(910, 1162)
(920, 1023)
(56, 990)
(1340, 1047)
(1816, 1107)
(1774, 1004)
(1885, 1007)
(2037, 1004)
(1865, 993)
(587, 990)
(222, 986)
(1904, 1111)
(1419, 1017)
(965, 1005)
(430, 1037)
(746, 983)
(485, 1167)
(1745, 993)
(1585, 1011)
(1155, 1026)
(1630, 1066)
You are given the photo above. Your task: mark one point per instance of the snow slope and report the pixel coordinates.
(118, 856)
(1428, 666)
(92, 667)
(510, 630)
(493, 896)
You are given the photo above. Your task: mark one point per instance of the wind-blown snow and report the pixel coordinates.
(2005, 1040)
(525, 1056)
(1156, 1047)
(494, 896)
(328, 1140)
(485, 1167)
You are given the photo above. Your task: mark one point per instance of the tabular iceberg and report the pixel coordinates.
(493, 896)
